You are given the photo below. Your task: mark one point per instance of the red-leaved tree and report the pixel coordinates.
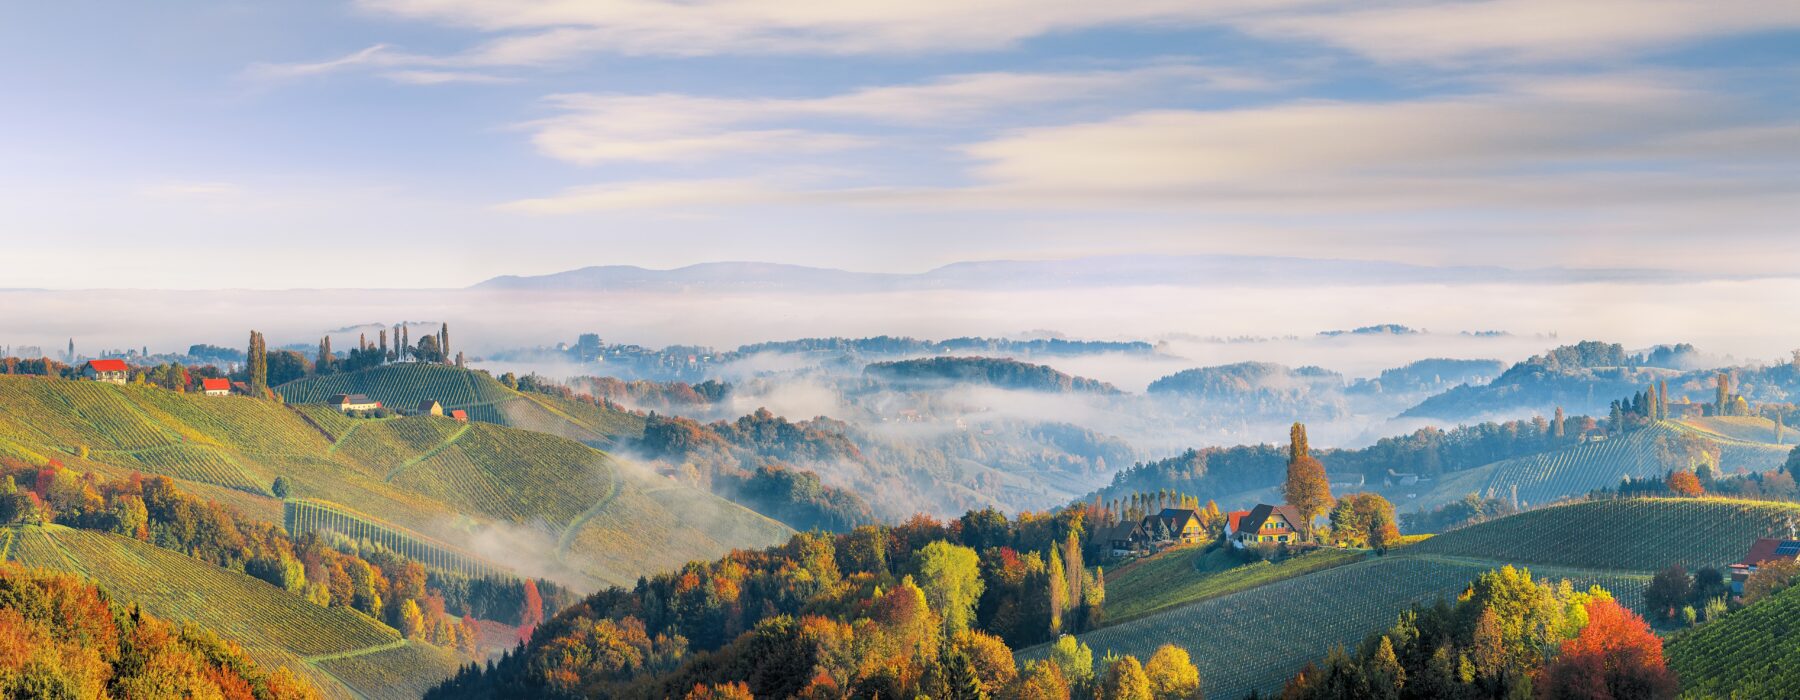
(1614, 658)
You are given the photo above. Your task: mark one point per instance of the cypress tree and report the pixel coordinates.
(258, 364)
(384, 348)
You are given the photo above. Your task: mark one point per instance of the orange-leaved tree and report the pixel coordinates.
(1306, 489)
(1616, 656)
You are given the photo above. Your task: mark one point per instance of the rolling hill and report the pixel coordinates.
(1576, 470)
(404, 385)
(1594, 543)
(274, 626)
(1751, 653)
(540, 503)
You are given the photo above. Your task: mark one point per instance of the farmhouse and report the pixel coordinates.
(1763, 550)
(1180, 524)
(215, 387)
(430, 407)
(460, 415)
(353, 402)
(109, 371)
(1267, 523)
(1123, 538)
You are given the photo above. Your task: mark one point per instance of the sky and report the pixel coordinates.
(436, 143)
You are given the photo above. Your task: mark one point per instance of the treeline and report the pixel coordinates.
(334, 571)
(644, 394)
(998, 372)
(1507, 636)
(1215, 471)
(62, 637)
(749, 461)
(925, 608)
(891, 345)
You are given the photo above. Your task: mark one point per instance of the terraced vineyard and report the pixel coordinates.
(433, 478)
(1744, 428)
(274, 626)
(1615, 534)
(1616, 544)
(1256, 639)
(1185, 575)
(1574, 471)
(404, 386)
(1751, 653)
(385, 674)
(303, 516)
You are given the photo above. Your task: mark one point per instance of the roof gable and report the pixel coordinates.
(1770, 548)
(215, 384)
(1264, 513)
(113, 365)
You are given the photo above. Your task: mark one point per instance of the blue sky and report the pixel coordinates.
(427, 143)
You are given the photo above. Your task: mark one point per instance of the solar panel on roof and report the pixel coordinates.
(1788, 548)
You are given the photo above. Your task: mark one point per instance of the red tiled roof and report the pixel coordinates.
(108, 365)
(210, 384)
(1232, 518)
(1764, 550)
(460, 414)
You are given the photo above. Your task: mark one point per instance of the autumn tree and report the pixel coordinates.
(1683, 483)
(1125, 680)
(1074, 659)
(1364, 519)
(1307, 488)
(1615, 657)
(1172, 674)
(951, 579)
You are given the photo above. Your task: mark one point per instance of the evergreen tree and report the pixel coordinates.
(1662, 392)
(257, 363)
(322, 365)
(444, 342)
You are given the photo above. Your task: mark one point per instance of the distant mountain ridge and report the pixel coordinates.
(1098, 271)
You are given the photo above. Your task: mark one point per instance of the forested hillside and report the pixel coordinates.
(938, 372)
(65, 638)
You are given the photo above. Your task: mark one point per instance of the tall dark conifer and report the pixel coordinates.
(257, 362)
(444, 342)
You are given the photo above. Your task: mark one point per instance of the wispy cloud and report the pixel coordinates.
(1519, 31)
(595, 128)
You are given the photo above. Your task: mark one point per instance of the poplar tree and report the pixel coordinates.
(323, 364)
(1557, 427)
(1722, 402)
(1307, 488)
(444, 342)
(384, 348)
(257, 363)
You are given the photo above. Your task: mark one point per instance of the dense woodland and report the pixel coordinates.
(1507, 636)
(997, 372)
(925, 607)
(61, 637)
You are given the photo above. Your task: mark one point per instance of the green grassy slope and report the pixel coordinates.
(1638, 534)
(1744, 428)
(273, 625)
(1615, 544)
(1751, 653)
(434, 476)
(1577, 470)
(404, 385)
(1187, 574)
(1256, 639)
